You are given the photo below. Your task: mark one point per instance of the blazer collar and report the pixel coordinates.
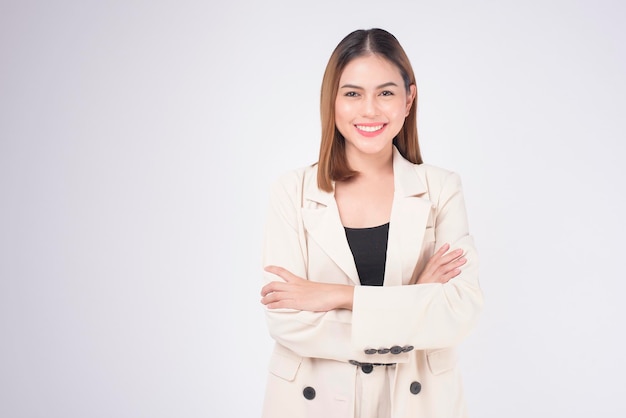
(406, 182)
(408, 221)
(410, 213)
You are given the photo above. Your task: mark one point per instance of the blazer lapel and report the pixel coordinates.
(320, 216)
(409, 218)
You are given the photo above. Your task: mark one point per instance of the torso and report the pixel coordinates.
(365, 202)
(369, 249)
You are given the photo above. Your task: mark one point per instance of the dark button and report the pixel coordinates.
(371, 351)
(383, 350)
(396, 349)
(407, 348)
(367, 368)
(309, 392)
(415, 388)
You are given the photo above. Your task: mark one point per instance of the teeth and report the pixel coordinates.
(369, 128)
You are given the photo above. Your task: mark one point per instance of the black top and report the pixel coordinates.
(369, 248)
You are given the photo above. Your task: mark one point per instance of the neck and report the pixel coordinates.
(371, 164)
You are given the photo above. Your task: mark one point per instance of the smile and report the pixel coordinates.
(370, 128)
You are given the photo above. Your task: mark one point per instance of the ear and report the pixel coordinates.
(410, 97)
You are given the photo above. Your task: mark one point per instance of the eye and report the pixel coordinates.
(386, 93)
(351, 94)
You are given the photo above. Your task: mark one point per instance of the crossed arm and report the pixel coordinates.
(336, 321)
(305, 295)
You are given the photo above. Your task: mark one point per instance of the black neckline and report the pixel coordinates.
(366, 228)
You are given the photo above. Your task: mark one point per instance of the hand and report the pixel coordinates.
(442, 267)
(304, 295)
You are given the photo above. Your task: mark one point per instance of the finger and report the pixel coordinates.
(279, 300)
(273, 287)
(447, 258)
(282, 304)
(454, 269)
(452, 264)
(442, 250)
(277, 270)
(438, 260)
(433, 262)
(281, 272)
(452, 255)
(449, 266)
(272, 298)
(450, 275)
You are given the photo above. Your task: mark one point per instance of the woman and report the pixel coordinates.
(370, 272)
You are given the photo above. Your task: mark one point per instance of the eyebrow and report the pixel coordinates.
(382, 86)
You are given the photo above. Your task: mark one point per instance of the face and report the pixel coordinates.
(371, 105)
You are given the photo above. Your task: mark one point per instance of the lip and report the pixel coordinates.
(370, 134)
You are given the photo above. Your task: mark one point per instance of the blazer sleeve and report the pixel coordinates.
(309, 334)
(426, 316)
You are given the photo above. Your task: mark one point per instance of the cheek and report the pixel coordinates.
(342, 112)
(396, 111)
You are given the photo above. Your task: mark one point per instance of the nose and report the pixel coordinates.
(370, 107)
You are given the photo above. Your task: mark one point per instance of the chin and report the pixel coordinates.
(370, 146)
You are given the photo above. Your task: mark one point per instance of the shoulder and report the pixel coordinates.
(444, 186)
(439, 181)
(422, 177)
(432, 173)
(295, 177)
(291, 183)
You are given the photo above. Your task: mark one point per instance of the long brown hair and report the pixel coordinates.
(332, 164)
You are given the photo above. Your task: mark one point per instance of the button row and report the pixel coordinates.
(396, 349)
(368, 367)
(309, 392)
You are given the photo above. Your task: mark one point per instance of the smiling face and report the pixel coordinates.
(371, 105)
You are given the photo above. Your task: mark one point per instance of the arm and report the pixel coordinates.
(305, 295)
(431, 315)
(309, 334)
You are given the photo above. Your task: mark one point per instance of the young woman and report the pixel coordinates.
(370, 272)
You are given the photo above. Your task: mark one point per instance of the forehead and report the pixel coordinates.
(370, 69)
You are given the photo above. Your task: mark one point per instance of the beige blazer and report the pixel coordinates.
(310, 374)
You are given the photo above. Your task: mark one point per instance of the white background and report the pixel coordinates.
(138, 140)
